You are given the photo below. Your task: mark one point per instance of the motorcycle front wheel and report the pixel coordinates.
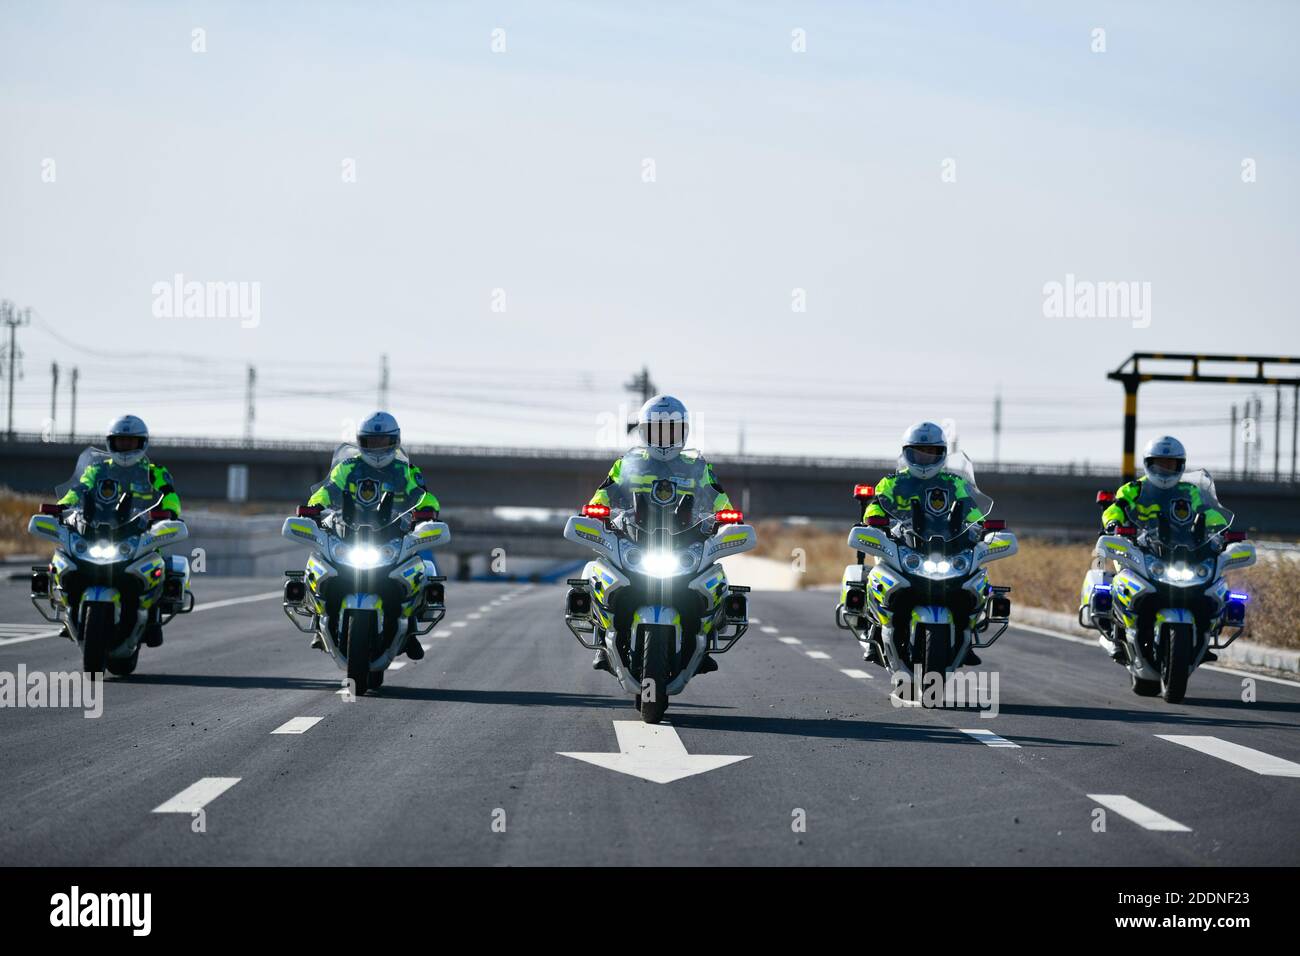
(654, 674)
(96, 632)
(936, 655)
(360, 639)
(1176, 664)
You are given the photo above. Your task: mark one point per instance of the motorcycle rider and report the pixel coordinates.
(1163, 461)
(129, 467)
(920, 477)
(662, 426)
(378, 440)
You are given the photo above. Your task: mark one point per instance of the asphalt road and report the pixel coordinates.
(457, 760)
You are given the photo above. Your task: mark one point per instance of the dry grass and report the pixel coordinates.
(1048, 575)
(15, 511)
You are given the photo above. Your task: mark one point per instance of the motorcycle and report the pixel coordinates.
(1163, 602)
(930, 558)
(107, 577)
(367, 585)
(656, 598)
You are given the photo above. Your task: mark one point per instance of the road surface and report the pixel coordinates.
(460, 758)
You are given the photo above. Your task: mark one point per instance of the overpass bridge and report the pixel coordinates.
(476, 483)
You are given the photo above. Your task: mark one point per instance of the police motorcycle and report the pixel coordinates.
(655, 597)
(369, 582)
(1157, 593)
(107, 579)
(925, 602)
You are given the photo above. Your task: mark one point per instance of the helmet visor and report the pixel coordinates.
(1166, 467)
(924, 454)
(125, 443)
(663, 431)
(377, 443)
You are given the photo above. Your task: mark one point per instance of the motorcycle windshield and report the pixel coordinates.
(108, 483)
(662, 496)
(946, 506)
(1182, 516)
(372, 498)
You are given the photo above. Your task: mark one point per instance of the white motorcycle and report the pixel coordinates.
(925, 602)
(656, 598)
(367, 587)
(1157, 593)
(107, 578)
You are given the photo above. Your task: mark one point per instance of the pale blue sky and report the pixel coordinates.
(775, 170)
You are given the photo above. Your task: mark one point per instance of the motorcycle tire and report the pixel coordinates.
(123, 666)
(96, 633)
(936, 656)
(360, 639)
(1176, 664)
(654, 668)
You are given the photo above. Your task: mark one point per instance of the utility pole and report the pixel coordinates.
(248, 406)
(54, 400)
(1295, 425)
(73, 427)
(640, 384)
(1232, 442)
(383, 383)
(12, 318)
(997, 427)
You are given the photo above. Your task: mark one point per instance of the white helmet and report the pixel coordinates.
(378, 439)
(925, 450)
(663, 425)
(1164, 459)
(128, 440)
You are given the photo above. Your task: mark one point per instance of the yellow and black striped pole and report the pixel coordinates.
(1129, 466)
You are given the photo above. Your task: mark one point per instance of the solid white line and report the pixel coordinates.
(1092, 642)
(855, 673)
(818, 655)
(990, 738)
(197, 795)
(298, 725)
(5, 642)
(1143, 816)
(1256, 760)
(789, 640)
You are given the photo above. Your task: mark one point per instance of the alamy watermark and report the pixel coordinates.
(182, 299)
(977, 689)
(57, 689)
(1085, 299)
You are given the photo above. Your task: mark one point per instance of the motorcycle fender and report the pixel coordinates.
(593, 534)
(711, 584)
(101, 594)
(162, 533)
(999, 545)
(1237, 556)
(873, 541)
(730, 539)
(931, 614)
(45, 526)
(1125, 589)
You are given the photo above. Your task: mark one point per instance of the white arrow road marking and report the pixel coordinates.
(818, 655)
(789, 640)
(990, 738)
(197, 795)
(855, 673)
(1255, 760)
(1143, 816)
(298, 725)
(653, 752)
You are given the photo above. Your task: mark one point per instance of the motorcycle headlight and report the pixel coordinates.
(1158, 569)
(102, 550)
(960, 563)
(685, 561)
(912, 562)
(362, 556)
(660, 564)
(633, 557)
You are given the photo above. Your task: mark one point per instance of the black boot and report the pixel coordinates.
(153, 635)
(317, 644)
(708, 665)
(972, 659)
(414, 649)
(601, 662)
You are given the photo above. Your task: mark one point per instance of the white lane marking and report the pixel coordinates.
(755, 620)
(458, 624)
(1256, 760)
(1142, 815)
(297, 725)
(768, 629)
(473, 617)
(1092, 642)
(855, 673)
(484, 609)
(789, 640)
(396, 665)
(653, 752)
(197, 795)
(211, 605)
(228, 602)
(818, 655)
(990, 738)
(18, 630)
